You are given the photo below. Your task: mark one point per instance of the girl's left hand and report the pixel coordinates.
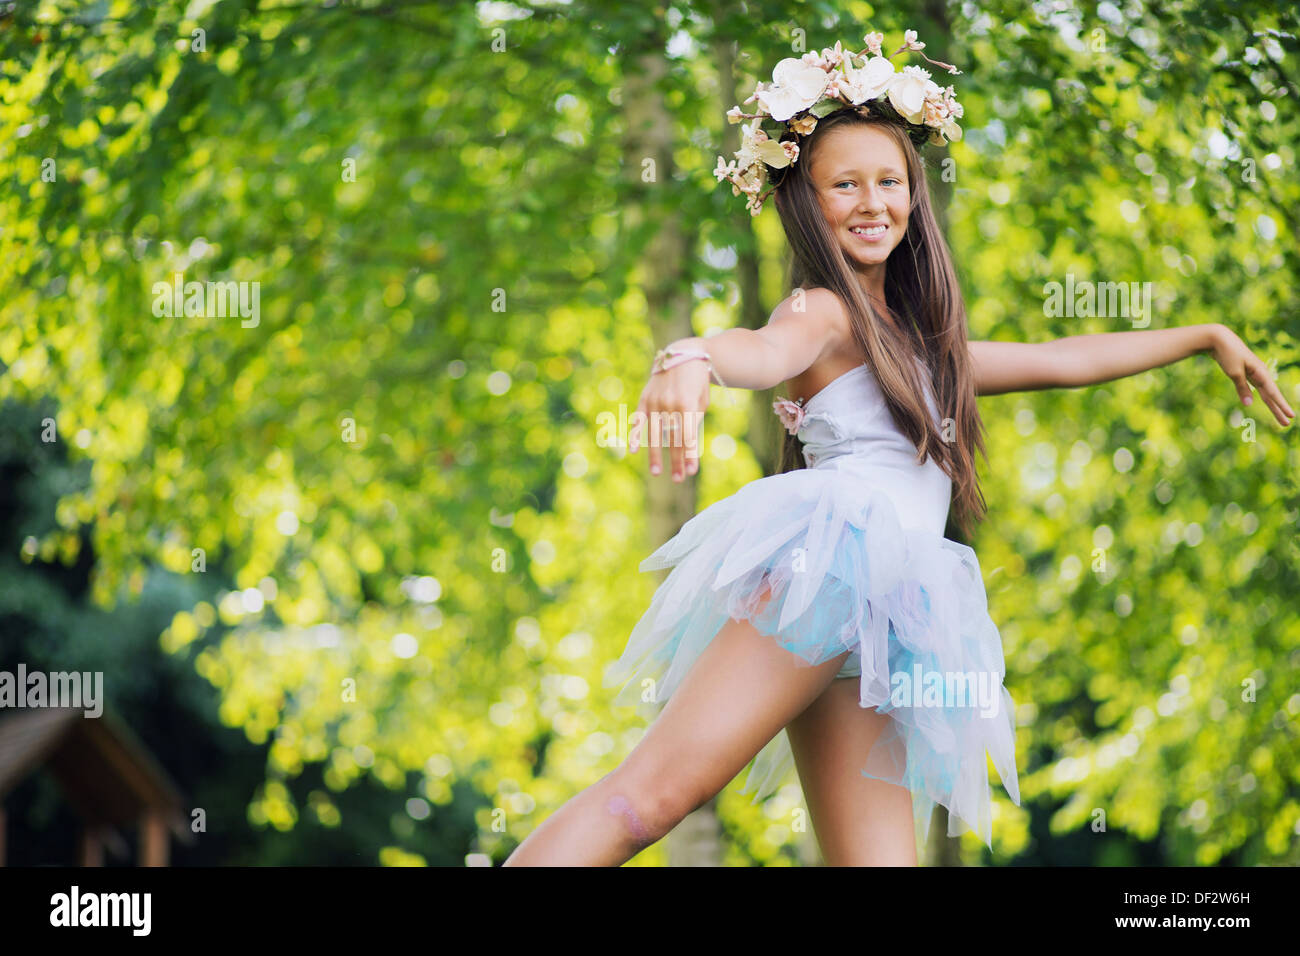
(1244, 368)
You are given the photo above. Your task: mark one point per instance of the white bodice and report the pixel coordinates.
(847, 427)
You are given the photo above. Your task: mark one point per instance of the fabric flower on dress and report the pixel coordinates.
(790, 413)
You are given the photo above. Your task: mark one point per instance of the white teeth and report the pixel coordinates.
(873, 231)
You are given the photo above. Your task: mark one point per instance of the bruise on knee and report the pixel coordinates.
(619, 806)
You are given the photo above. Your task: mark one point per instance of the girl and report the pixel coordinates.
(819, 616)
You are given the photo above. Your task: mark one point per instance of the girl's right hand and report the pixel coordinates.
(671, 410)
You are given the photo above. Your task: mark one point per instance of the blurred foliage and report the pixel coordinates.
(48, 623)
(432, 554)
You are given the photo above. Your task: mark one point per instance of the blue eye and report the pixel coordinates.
(841, 184)
(891, 179)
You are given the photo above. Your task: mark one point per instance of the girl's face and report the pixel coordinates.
(860, 175)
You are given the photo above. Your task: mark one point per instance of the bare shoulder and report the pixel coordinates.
(819, 306)
(816, 301)
(826, 310)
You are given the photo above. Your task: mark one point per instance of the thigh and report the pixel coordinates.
(737, 695)
(859, 821)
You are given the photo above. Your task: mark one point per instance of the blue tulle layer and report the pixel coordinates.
(818, 560)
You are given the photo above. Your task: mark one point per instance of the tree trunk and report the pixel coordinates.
(763, 434)
(941, 849)
(696, 841)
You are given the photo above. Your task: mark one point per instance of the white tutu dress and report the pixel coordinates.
(852, 549)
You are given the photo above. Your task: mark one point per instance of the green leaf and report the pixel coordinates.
(826, 106)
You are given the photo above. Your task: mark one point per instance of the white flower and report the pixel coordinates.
(750, 136)
(935, 108)
(908, 91)
(869, 82)
(734, 115)
(724, 169)
(752, 180)
(909, 40)
(873, 41)
(796, 85)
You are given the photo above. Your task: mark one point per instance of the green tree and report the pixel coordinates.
(459, 271)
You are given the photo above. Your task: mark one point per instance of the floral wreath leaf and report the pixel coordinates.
(826, 107)
(772, 153)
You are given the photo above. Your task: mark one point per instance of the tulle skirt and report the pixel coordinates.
(818, 560)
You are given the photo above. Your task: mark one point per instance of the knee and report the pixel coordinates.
(648, 807)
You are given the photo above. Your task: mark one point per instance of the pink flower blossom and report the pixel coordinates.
(790, 413)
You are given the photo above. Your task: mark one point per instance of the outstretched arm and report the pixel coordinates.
(799, 331)
(1079, 360)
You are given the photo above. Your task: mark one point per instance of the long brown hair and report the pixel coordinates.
(921, 289)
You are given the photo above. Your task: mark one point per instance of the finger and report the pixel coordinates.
(1280, 408)
(642, 406)
(1243, 388)
(638, 423)
(1273, 395)
(1273, 398)
(676, 438)
(693, 442)
(697, 433)
(654, 440)
(1280, 414)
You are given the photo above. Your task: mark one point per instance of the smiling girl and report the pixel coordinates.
(819, 616)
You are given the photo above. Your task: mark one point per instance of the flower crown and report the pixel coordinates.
(809, 88)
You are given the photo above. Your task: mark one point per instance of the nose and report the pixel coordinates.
(871, 205)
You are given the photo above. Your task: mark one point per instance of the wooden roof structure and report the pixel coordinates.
(105, 773)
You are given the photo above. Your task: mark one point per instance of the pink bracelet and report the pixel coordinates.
(669, 357)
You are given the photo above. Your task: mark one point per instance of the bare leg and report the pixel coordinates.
(742, 690)
(859, 821)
